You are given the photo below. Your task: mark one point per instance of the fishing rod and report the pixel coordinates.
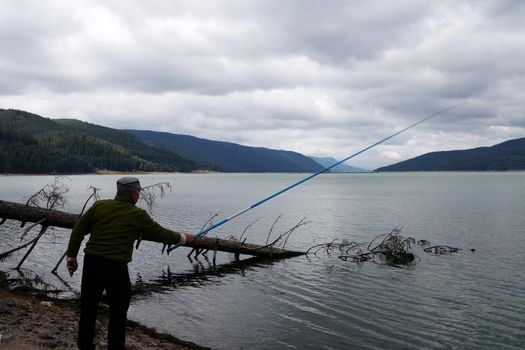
(256, 204)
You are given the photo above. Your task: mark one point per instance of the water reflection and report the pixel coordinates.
(204, 273)
(26, 280)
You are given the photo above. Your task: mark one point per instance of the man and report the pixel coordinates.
(113, 226)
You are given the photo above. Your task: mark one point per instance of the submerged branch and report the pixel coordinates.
(388, 248)
(148, 195)
(392, 249)
(441, 249)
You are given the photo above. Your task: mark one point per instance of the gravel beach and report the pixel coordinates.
(28, 322)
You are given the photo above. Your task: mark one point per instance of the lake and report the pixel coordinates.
(467, 300)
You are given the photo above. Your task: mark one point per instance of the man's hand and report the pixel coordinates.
(72, 265)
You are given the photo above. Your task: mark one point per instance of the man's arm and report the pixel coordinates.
(152, 231)
(82, 228)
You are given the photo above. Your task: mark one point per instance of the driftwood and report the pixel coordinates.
(393, 249)
(390, 249)
(25, 213)
(442, 249)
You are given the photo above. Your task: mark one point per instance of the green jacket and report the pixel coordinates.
(114, 225)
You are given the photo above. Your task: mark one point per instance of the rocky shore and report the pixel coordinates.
(29, 322)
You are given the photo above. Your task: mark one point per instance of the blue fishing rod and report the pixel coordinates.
(223, 221)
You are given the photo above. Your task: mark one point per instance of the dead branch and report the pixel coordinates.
(247, 227)
(197, 251)
(93, 195)
(34, 240)
(347, 245)
(52, 195)
(54, 271)
(30, 227)
(318, 247)
(389, 248)
(148, 193)
(302, 222)
(271, 229)
(29, 281)
(392, 249)
(441, 249)
(357, 258)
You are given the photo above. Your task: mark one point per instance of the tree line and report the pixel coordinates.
(33, 144)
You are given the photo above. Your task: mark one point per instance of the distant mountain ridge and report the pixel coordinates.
(227, 156)
(508, 155)
(341, 168)
(33, 144)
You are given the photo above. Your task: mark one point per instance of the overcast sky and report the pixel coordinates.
(324, 78)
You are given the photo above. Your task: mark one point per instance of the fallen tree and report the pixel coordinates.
(51, 217)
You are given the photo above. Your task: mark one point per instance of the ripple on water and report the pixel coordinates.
(464, 301)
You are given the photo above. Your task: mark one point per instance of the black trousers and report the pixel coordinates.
(99, 274)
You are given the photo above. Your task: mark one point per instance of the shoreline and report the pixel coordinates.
(30, 322)
(203, 172)
(113, 172)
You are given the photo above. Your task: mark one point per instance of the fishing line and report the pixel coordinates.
(256, 204)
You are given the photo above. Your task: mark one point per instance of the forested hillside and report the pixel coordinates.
(32, 144)
(230, 157)
(509, 155)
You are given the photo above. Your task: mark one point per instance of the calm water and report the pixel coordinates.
(464, 301)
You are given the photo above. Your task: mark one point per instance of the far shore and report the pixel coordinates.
(200, 172)
(113, 172)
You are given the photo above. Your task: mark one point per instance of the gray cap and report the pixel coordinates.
(128, 183)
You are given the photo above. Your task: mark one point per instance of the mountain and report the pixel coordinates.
(229, 157)
(341, 168)
(30, 143)
(509, 155)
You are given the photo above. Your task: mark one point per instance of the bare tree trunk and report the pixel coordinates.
(24, 213)
(237, 247)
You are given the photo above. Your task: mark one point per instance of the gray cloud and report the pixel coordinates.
(321, 78)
